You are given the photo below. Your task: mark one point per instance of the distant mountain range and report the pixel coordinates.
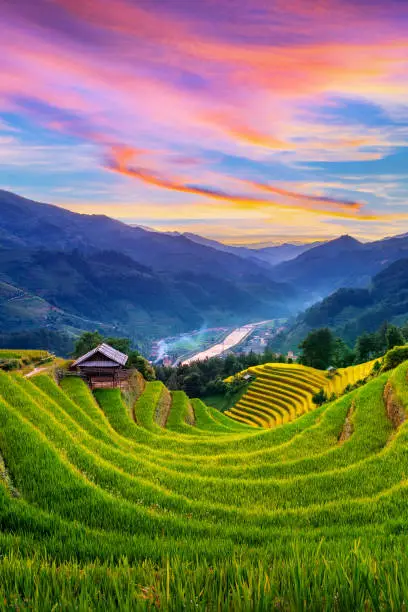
(350, 312)
(343, 262)
(60, 268)
(271, 255)
(63, 270)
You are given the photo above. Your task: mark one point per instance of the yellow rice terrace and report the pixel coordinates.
(149, 500)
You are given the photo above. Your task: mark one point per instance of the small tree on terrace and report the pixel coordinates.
(394, 337)
(318, 348)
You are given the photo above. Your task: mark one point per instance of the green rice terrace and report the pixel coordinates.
(152, 501)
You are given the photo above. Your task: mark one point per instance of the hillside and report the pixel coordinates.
(26, 224)
(281, 392)
(62, 270)
(350, 312)
(343, 262)
(165, 503)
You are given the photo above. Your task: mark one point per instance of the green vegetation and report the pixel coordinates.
(206, 379)
(395, 356)
(225, 401)
(168, 504)
(354, 312)
(17, 359)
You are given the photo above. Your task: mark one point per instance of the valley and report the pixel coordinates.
(233, 339)
(226, 456)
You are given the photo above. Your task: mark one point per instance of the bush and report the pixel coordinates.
(394, 357)
(237, 384)
(376, 367)
(10, 364)
(320, 398)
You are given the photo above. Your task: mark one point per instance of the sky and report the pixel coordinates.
(246, 121)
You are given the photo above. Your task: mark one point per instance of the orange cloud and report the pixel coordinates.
(311, 204)
(318, 200)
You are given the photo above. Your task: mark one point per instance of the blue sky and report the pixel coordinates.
(247, 122)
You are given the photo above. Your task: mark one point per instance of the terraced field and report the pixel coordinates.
(282, 392)
(17, 359)
(166, 504)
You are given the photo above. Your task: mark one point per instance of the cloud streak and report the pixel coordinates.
(120, 158)
(222, 94)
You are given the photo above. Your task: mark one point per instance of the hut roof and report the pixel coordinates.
(104, 349)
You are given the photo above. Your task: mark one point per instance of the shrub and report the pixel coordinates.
(376, 367)
(320, 397)
(10, 364)
(394, 357)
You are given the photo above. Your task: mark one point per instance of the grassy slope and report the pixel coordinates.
(223, 402)
(103, 511)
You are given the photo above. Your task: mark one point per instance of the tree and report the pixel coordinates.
(120, 344)
(140, 363)
(318, 348)
(236, 385)
(192, 385)
(86, 342)
(319, 398)
(366, 347)
(232, 365)
(342, 356)
(394, 337)
(404, 330)
(382, 338)
(172, 382)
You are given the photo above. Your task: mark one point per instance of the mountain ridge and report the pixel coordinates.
(351, 311)
(145, 283)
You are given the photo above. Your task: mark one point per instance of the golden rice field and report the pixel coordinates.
(161, 503)
(281, 392)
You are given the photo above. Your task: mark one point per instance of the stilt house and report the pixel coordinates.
(104, 366)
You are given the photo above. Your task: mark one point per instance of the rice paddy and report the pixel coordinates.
(282, 392)
(162, 503)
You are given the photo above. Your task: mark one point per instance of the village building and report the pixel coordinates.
(103, 366)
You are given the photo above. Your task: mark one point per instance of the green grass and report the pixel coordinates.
(101, 508)
(223, 402)
(22, 359)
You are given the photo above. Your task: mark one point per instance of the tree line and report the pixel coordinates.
(204, 378)
(322, 348)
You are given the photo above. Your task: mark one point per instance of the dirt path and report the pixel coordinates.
(36, 371)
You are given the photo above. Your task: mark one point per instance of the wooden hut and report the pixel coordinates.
(102, 367)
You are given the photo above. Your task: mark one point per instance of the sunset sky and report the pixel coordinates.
(247, 121)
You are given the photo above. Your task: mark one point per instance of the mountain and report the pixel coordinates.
(350, 312)
(283, 252)
(75, 271)
(272, 255)
(25, 223)
(343, 262)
